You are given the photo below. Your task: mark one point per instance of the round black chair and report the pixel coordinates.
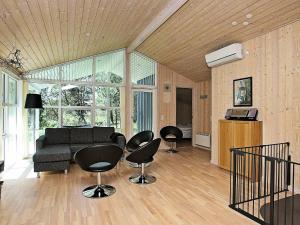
(141, 137)
(171, 135)
(143, 155)
(98, 159)
(136, 141)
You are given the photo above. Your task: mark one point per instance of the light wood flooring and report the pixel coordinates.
(188, 190)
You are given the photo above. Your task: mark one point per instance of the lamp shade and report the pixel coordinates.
(33, 101)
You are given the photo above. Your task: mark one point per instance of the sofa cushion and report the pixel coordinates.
(76, 147)
(53, 153)
(81, 135)
(57, 136)
(102, 134)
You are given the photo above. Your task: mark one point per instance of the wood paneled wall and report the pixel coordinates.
(203, 111)
(167, 100)
(273, 60)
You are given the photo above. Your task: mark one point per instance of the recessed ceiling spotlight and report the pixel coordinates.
(245, 23)
(249, 16)
(234, 23)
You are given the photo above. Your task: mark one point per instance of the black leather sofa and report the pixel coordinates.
(55, 149)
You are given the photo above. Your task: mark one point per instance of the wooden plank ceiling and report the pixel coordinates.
(200, 27)
(49, 32)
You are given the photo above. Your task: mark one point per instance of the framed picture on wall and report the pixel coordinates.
(242, 92)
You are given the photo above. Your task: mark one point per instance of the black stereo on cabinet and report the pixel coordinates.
(241, 114)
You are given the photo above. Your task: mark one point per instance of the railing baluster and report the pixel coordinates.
(234, 179)
(272, 183)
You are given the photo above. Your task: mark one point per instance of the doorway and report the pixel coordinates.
(9, 121)
(184, 114)
(142, 112)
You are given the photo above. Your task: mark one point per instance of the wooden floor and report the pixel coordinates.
(188, 190)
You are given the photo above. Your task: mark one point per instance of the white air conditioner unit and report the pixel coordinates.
(224, 55)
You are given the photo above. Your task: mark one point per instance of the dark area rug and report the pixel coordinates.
(284, 214)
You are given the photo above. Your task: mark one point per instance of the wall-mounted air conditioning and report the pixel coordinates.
(224, 55)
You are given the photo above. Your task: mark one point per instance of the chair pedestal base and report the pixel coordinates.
(172, 148)
(99, 191)
(1, 183)
(142, 179)
(171, 151)
(135, 165)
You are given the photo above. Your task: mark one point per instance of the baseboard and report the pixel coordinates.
(202, 147)
(216, 164)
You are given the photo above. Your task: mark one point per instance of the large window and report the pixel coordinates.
(86, 92)
(91, 92)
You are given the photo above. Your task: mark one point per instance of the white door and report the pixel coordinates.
(9, 120)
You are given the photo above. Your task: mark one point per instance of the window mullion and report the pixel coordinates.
(59, 99)
(93, 113)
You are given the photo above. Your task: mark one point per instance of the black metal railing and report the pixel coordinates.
(262, 183)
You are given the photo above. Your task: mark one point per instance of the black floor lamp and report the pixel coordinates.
(33, 101)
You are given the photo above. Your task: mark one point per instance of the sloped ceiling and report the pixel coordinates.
(49, 32)
(200, 27)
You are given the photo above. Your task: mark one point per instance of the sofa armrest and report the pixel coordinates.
(40, 142)
(118, 139)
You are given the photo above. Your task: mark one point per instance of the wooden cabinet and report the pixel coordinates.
(233, 134)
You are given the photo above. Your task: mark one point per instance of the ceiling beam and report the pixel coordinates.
(166, 13)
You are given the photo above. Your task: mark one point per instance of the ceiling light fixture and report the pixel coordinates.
(245, 23)
(13, 60)
(234, 23)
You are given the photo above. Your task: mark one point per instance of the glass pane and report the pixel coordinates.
(48, 118)
(73, 95)
(12, 120)
(10, 139)
(108, 118)
(51, 73)
(110, 67)
(11, 155)
(115, 118)
(142, 69)
(107, 96)
(78, 71)
(49, 93)
(142, 111)
(12, 91)
(101, 118)
(76, 117)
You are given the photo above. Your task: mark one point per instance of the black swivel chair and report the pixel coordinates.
(141, 137)
(144, 155)
(136, 141)
(171, 135)
(98, 159)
